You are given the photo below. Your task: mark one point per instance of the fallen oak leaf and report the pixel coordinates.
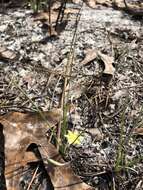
(16, 150)
(21, 129)
(16, 163)
(18, 126)
(108, 62)
(67, 180)
(14, 119)
(92, 54)
(6, 54)
(62, 177)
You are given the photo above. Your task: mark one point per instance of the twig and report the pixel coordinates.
(61, 11)
(2, 159)
(33, 177)
(50, 22)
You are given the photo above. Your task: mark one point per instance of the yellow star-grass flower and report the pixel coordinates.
(74, 137)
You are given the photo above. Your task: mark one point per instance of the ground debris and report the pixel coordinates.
(107, 113)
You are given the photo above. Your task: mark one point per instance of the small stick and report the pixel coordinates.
(2, 160)
(33, 177)
(50, 22)
(61, 11)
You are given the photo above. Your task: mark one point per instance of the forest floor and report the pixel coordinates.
(105, 91)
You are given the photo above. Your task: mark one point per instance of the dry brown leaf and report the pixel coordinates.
(18, 126)
(62, 177)
(20, 130)
(16, 161)
(138, 131)
(7, 54)
(108, 62)
(23, 129)
(91, 3)
(27, 119)
(67, 180)
(90, 55)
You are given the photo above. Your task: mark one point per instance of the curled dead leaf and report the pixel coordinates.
(92, 54)
(108, 62)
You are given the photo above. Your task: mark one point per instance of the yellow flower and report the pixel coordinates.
(74, 137)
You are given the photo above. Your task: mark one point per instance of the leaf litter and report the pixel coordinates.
(98, 107)
(22, 145)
